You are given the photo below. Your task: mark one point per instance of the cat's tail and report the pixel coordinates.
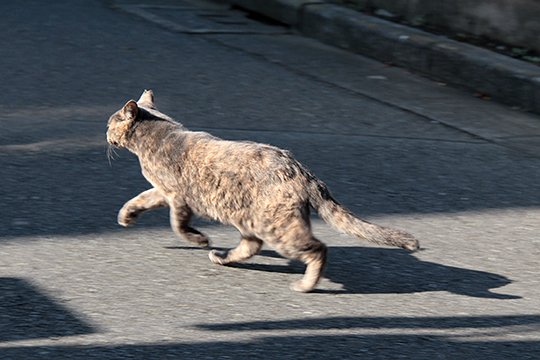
(342, 219)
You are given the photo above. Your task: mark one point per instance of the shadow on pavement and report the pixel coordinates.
(363, 270)
(27, 313)
(527, 322)
(425, 344)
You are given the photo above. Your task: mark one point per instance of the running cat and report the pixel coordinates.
(259, 189)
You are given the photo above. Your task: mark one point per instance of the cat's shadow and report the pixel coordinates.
(366, 270)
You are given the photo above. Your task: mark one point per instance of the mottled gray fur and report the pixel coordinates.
(259, 189)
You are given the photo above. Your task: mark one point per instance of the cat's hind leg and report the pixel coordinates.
(298, 243)
(247, 247)
(180, 215)
(315, 259)
(147, 200)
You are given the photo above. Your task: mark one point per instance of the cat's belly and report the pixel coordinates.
(210, 205)
(214, 210)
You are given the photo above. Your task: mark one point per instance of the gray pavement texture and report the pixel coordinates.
(460, 173)
(480, 70)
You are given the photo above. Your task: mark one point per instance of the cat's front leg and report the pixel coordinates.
(147, 200)
(180, 215)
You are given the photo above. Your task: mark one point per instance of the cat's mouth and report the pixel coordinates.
(112, 142)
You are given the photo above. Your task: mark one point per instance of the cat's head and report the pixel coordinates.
(121, 122)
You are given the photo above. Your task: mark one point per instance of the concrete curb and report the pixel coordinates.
(505, 79)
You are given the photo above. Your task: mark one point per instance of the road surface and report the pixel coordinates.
(461, 173)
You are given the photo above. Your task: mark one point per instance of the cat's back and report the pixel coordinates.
(241, 157)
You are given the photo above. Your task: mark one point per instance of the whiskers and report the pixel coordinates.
(111, 154)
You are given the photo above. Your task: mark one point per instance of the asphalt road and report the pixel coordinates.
(459, 172)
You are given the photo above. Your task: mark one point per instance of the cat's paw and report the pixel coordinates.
(301, 286)
(198, 238)
(126, 218)
(218, 257)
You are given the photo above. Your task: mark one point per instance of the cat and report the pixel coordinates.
(259, 189)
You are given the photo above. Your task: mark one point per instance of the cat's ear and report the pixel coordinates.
(147, 99)
(130, 110)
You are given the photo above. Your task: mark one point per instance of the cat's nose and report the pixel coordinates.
(110, 141)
